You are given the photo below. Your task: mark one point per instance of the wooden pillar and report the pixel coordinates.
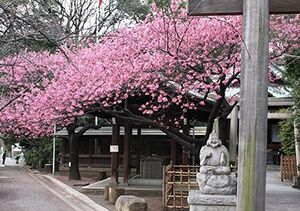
(173, 151)
(251, 191)
(90, 152)
(115, 154)
(185, 153)
(126, 154)
(138, 150)
(63, 154)
(233, 134)
(297, 142)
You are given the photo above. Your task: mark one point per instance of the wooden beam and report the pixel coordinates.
(185, 153)
(251, 189)
(126, 156)
(173, 151)
(235, 7)
(90, 152)
(138, 150)
(297, 144)
(115, 155)
(233, 134)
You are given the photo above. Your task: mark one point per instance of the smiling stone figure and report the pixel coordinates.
(214, 177)
(214, 153)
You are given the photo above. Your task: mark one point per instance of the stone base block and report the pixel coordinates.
(203, 202)
(114, 193)
(215, 184)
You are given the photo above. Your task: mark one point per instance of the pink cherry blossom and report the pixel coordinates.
(169, 59)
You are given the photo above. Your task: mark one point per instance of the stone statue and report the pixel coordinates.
(214, 153)
(214, 177)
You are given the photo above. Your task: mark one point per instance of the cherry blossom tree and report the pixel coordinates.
(167, 63)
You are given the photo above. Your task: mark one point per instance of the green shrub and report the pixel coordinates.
(37, 156)
(33, 157)
(286, 134)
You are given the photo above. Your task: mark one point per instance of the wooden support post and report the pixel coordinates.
(115, 154)
(233, 134)
(138, 150)
(173, 151)
(185, 153)
(126, 154)
(254, 107)
(90, 153)
(253, 98)
(64, 152)
(297, 143)
(235, 7)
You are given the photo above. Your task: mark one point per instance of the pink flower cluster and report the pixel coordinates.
(171, 59)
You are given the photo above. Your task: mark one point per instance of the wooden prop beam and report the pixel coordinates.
(126, 154)
(115, 155)
(251, 188)
(235, 7)
(173, 151)
(138, 150)
(185, 153)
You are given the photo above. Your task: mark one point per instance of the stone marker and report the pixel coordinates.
(131, 203)
(114, 193)
(48, 168)
(106, 192)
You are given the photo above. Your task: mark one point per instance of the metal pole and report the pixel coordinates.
(53, 152)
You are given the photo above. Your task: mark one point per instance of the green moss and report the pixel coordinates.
(249, 171)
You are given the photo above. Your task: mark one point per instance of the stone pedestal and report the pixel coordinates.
(213, 184)
(203, 202)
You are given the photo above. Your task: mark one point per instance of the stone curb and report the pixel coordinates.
(77, 194)
(80, 196)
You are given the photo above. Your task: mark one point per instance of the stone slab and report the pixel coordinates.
(203, 202)
(211, 208)
(197, 198)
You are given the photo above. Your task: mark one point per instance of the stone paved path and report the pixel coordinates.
(280, 195)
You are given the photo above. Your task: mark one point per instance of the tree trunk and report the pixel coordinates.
(74, 173)
(212, 117)
(223, 134)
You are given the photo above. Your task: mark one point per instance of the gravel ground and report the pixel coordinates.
(154, 199)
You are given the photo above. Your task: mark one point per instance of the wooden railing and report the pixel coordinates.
(288, 167)
(178, 180)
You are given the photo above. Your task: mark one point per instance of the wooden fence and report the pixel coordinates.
(178, 180)
(288, 167)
